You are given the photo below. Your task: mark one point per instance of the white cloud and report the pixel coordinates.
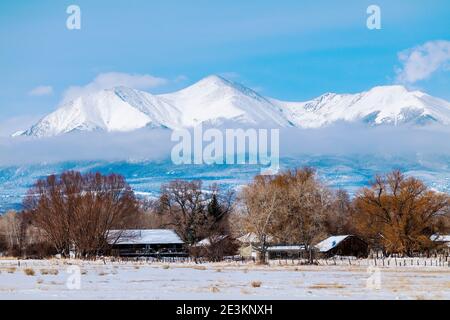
(114, 79)
(421, 62)
(41, 91)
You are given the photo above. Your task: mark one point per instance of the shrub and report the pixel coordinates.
(29, 271)
(256, 284)
(214, 289)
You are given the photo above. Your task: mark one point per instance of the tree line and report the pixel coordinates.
(74, 212)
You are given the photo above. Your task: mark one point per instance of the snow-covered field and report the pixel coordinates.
(232, 280)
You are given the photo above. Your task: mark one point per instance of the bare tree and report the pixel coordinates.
(10, 228)
(338, 220)
(261, 201)
(184, 203)
(307, 203)
(289, 208)
(398, 213)
(77, 211)
(198, 214)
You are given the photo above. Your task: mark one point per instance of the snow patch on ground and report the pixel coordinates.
(233, 280)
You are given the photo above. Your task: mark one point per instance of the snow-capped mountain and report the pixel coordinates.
(212, 99)
(381, 105)
(216, 100)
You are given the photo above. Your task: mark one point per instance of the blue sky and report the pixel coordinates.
(290, 50)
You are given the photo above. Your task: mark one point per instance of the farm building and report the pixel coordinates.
(442, 240)
(346, 245)
(248, 243)
(207, 241)
(274, 251)
(146, 243)
(286, 251)
(215, 247)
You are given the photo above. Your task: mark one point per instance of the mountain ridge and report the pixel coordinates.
(215, 99)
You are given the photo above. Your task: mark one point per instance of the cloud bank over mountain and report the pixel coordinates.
(149, 144)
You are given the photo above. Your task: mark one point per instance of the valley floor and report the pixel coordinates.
(49, 279)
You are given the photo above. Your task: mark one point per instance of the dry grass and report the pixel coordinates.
(11, 270)
(29, 271)
(166, 266)
(52, 272)
(103, 273)
(327, 286)
(214, 289)
(199, 267)
(40, 281)
(256, 284)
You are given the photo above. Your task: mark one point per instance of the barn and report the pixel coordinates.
(286, 251)
(146, 243)
(345, 245)
(442, 241)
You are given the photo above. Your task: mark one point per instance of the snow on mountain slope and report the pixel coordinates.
(162, 114)
(103, 110)
(217, 101)
(212, 99)
(215, 98)
(380, 105)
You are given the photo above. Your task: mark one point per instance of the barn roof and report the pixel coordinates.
(440, 237)
(286, 248)
(251, 238)
(144, 236)
(330, 243)
(207, 242)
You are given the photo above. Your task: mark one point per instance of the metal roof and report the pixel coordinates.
(440, 237)
(330, 243)
(144, 236)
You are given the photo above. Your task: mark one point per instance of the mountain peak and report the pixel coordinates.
(214, 78)
(212, 82)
